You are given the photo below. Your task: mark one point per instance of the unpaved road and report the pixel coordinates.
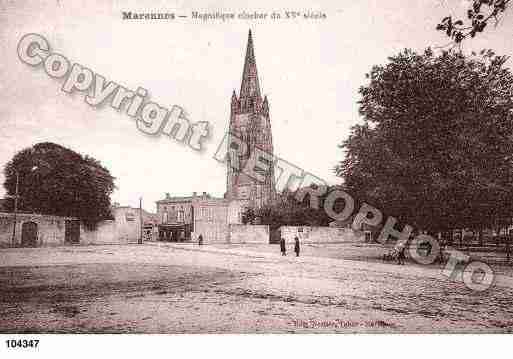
(155, 288)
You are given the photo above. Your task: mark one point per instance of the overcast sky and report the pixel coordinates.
(310, 70)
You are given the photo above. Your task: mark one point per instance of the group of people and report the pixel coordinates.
(283, 247)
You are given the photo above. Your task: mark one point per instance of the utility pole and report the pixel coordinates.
(15, 209)
(140, 220)
(17, 195)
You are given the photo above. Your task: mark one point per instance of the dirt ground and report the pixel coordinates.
(165, 288)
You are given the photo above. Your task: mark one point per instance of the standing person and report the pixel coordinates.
(296, 246)
(507, 249)
(441, 257)
(282, 247)
(200, 240)
(400, 254)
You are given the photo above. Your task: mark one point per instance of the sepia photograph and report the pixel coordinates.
(233, 167)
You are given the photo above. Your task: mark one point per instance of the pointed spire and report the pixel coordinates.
(250, 86)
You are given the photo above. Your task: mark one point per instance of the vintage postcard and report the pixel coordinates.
(305, 167)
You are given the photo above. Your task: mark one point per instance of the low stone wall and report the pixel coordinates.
(308, 234)
(105, 233)
(240, 233)
(50, 230)
(212, 232)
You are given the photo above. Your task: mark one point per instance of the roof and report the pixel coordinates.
(250, 86)
(35, 215)
(175, 199)
(172, 225)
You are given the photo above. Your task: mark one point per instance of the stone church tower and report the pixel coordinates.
(250, 122)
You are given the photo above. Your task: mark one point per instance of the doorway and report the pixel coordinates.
(29, 234)
(72, 231)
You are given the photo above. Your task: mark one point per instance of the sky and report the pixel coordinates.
(310, 70)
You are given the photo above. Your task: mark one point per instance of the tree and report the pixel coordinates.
(479, 14)
(64, 183)
(436, 145)
(248, 216)
(288, 211)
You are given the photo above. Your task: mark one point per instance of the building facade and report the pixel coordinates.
(185, 218)
(176, 218)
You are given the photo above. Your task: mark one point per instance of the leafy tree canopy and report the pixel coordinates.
(436, 145)
(55, 180)
(288, 211)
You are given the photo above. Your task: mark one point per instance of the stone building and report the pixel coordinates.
(185, 218)
(211, 219)
(175, 218)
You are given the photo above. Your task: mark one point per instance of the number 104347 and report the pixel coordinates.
(22, 343)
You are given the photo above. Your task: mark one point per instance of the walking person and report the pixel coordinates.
(200, 240)
(296, 246)
(282, 247)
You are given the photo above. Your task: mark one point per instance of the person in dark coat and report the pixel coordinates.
(400, 253)
(296, 246)
(282, 247)
(200, 240)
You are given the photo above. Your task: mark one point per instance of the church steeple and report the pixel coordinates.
(250, 86)
(250, 123)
